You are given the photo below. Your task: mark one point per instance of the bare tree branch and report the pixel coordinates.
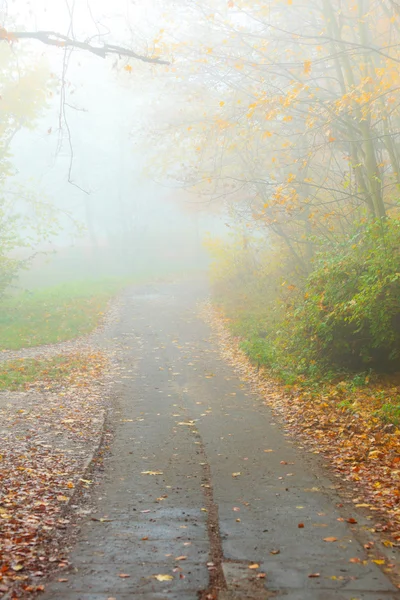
(52, 38)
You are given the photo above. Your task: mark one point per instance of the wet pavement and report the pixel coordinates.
(202, 483)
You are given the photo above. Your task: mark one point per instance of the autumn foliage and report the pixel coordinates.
(297, 136)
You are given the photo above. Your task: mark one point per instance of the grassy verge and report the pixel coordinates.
(372, 395)
(54, 314)
(69, 368)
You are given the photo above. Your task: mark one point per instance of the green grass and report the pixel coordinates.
(24, 373)
(390, 413)
(55, 314)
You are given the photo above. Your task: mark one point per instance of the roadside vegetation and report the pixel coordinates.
(54, 314)
(334, 332)
(49, 373)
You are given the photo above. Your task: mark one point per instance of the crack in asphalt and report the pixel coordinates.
(216, 573)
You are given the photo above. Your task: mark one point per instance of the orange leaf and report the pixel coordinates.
(330, 539)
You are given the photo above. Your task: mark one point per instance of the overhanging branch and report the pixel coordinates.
(52, 38)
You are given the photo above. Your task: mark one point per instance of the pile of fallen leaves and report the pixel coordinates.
(360, 447)
(48, 433)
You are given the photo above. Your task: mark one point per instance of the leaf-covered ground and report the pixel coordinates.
(345, 427)
(31, 373)
(48, 433)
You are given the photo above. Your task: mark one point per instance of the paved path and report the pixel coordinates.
(231, 488)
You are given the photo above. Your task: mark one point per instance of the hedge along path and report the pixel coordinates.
(49, 434)
(360, 448)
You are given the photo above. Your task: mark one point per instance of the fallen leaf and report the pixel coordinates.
(330, 539)
(163, 577)
(152, 473)
(123, 575)
(314, 575)
(236, 474)
(254, 566)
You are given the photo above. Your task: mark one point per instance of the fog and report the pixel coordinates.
(86, 153)
(134, 130)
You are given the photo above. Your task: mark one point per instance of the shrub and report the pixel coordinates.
(350, 312)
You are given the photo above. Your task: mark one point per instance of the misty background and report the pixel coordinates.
(87, 154)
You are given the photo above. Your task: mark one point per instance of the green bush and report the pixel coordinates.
(350, 313)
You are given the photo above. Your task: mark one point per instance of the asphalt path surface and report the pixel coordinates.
(202, 483)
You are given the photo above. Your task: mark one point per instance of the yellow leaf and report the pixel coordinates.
(254, 566)
(128, 68)
(307, 67)
(266, 134)
(152, 473)
(222, 103)
(163, 577)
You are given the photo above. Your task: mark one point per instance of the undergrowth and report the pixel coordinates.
(335, 330)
